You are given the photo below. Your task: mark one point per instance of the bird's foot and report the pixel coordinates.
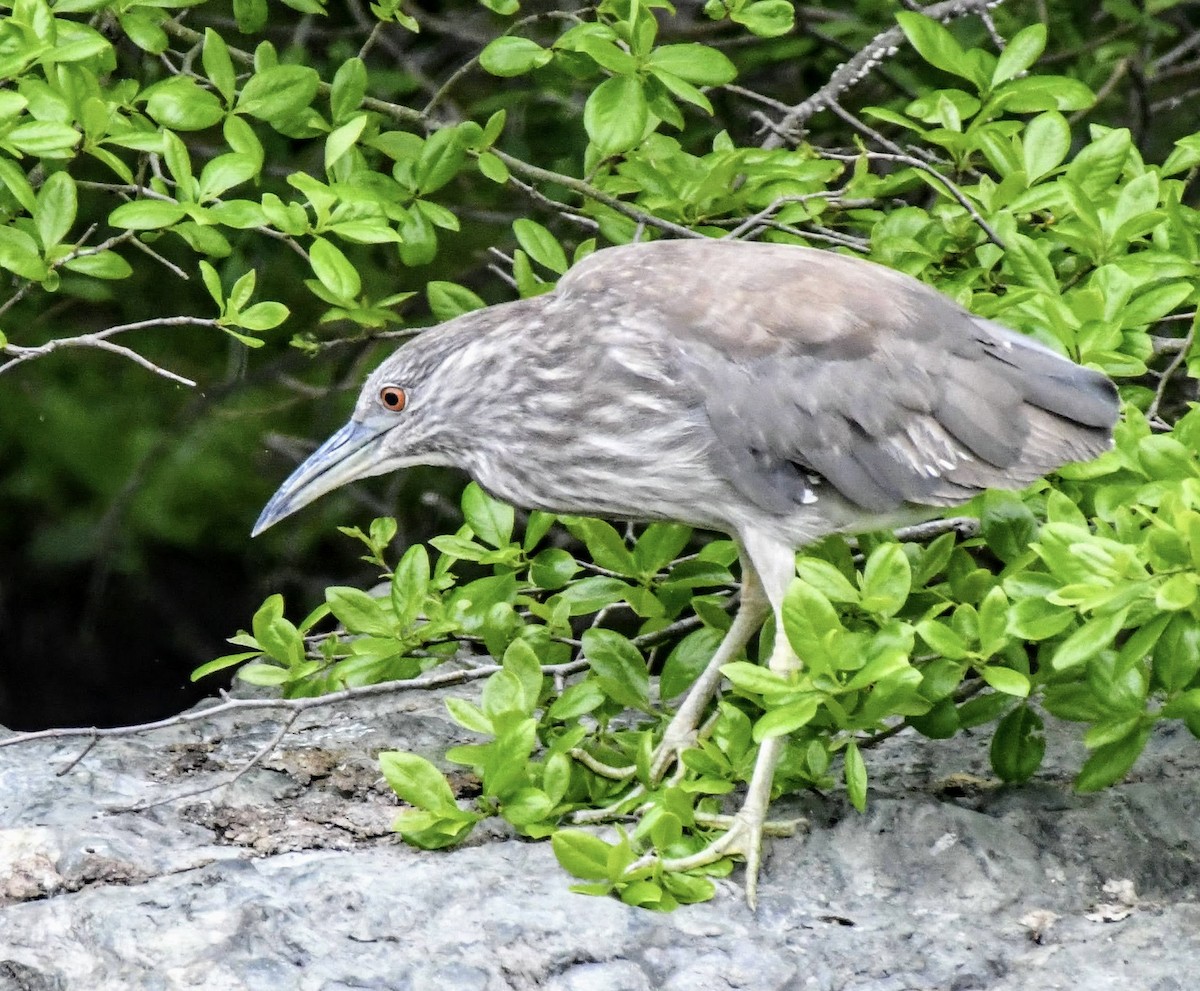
(743, 837)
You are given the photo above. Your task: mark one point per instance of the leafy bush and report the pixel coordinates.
(310, 177)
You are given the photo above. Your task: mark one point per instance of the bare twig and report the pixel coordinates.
(856, 68)
(950, 186)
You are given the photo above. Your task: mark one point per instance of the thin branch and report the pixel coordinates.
(230, 706)
(917, 163)
(259, 756)
(857, 67)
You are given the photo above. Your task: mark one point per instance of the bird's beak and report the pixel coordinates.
(351, 453)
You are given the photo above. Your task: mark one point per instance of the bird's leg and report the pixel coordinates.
(681, 732)
(777, 568)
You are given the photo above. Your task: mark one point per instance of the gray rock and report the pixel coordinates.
(290, 877)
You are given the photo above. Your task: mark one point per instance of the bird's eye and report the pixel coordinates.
(393, 397)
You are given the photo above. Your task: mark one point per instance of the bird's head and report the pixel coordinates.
(400, 420)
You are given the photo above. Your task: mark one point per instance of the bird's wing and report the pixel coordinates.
(819, 368)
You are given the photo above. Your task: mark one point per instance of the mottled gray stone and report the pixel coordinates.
(290, 878)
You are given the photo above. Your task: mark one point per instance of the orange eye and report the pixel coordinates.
(392, 397)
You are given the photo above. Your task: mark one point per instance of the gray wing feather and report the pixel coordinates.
(816, 364)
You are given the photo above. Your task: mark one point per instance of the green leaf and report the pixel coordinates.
(277, 636)
(221, 663)
(786, 718)
(360, 612)
(808, 619)
(1006, 680)
(182, 104)
(1036, 93)
(604, 544)
(616, 114)
(590, 594)
(508, 56)
(57, 202)
(827, 579)
(521, 661)
(101, 265)
(441, 159)
(342, 139)
(618, 666)
(942, 639)
(263, 316)
(19, 253)
(886, 581)
(334, 269)
(934, 43)
(694, 63)
(349, 88)
(43, 138)
(1018, 745)
(490, 519)
(448, 300)
(1087, 641)
(1020, 53)
(552, 568)
(1111, 762)
(766, 18)
(541, 245)
(418, 782)
(1045, 143)
(144, 215)
(217, 64)
(278, 92)
(855, 771)
(581, 854)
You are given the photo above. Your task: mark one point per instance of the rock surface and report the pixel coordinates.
(290, 879)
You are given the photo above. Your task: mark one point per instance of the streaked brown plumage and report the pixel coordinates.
(771, 392)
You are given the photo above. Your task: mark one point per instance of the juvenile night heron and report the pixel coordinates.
(773, 393)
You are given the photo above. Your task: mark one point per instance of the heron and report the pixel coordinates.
(772, 392)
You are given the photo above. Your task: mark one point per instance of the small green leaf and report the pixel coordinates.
(278, 92)
(694, 63)
(786, 718)
(934, 43)
(448, 300)
(1018, 745)
(887, 579)
(101, 265)
(766, 18)
(342, 139)
(1045, 144)
(57, 202)
(541, 245)
(618, 666)
(490, 519)
(1111, 762)
(1006, 680)
(334, 270)
(508, 56)
(217, 64)
(1020, 53)
(581, 854)
(182, 104)
(349, 88)
(1088, 640)
(827, 579)
(552, 568)
(856, 777)
(263, 316)
(144, 215)
(616, 114)
(418, 782)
